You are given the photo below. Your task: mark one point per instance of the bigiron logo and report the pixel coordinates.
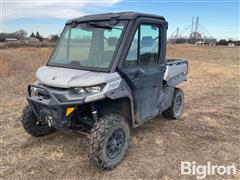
(201, 171)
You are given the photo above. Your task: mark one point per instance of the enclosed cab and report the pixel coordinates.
(106, 75)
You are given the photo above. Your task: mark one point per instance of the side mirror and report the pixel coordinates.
(147, 41)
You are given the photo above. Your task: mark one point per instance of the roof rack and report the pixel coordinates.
(108, 16)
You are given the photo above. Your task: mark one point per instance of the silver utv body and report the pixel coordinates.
(142, 92)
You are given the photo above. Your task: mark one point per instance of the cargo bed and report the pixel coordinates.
(176, 71)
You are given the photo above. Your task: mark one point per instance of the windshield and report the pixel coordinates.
(87, 45)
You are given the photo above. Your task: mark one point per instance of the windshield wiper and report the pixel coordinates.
(99, 25)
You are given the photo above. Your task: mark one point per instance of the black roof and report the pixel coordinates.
(3, 36)
(120, 15)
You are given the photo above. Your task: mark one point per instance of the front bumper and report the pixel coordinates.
(51, 105)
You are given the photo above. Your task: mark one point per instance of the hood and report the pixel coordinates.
(65, 77)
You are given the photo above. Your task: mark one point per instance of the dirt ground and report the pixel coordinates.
(209, 129)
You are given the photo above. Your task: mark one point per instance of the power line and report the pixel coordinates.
(192, 33)
(206, 30)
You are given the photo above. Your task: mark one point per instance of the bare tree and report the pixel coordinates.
(21, 33)
(54, 38)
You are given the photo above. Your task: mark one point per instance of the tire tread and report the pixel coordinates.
(169, 113)
(27, 120)
(97, 138)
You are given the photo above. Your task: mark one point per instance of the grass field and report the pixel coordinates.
(209, 129)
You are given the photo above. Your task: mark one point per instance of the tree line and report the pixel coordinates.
(22, 35)
(52, 38)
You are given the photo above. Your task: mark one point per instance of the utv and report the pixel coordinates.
(106, 75)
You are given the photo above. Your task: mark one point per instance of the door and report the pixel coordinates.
(143, 71)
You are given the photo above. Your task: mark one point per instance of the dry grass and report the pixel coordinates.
(208, 131)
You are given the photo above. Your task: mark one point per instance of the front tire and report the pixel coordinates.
(109, 140)
(31, 124)
(177, 106)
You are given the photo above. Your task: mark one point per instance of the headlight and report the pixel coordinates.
(79, 90)
(89, 90)
(93, 90)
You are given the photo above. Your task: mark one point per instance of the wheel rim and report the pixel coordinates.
(178, 104)
(41, 124)
(115, 143)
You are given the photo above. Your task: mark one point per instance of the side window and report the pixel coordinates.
(132, 56)
(149, 45)
(148, 52)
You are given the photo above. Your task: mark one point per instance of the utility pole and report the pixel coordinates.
(192, 35)
(196, 30)
(196, 24)
(192, 25)
(177, 33)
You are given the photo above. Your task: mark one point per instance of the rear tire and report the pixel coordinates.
(32, 126)
(109, 140)
(177, 106)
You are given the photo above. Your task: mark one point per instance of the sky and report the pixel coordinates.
(219, 17)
